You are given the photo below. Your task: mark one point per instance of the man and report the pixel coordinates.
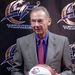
(56, 47)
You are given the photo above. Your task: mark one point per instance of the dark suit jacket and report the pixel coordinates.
(58, 49)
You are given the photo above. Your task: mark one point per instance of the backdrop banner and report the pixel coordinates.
(15, 23)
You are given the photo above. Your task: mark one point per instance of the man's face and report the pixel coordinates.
(40, 22)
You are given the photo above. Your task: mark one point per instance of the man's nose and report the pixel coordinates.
(36, 23)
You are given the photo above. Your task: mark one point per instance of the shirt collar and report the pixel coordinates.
(45, 38)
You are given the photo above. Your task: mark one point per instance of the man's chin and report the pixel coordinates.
(39, 33)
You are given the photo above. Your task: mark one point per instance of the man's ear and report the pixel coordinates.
(49, 21)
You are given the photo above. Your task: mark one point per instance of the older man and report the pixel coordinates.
(41, 47)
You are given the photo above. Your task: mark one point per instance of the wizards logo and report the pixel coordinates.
(68, 14)
(9, 57)
(17, 10)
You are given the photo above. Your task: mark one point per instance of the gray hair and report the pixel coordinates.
(40, 8)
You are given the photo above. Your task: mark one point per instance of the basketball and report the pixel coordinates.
(42, 69)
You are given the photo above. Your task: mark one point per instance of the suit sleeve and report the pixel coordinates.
(17, 68)
(67, 58)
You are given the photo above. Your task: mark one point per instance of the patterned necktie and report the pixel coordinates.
(41, 53)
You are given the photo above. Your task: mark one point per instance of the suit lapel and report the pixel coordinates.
(51, 49)
(33, 52)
